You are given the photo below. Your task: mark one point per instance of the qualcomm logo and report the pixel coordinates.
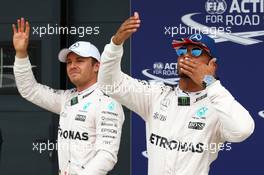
(261, 114)
(161, 70)
(215, 6)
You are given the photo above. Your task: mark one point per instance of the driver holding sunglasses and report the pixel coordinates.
(183, 123)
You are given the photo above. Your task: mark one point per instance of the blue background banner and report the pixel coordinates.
(239, 41)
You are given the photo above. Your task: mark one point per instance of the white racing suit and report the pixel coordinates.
(183, 137)
(90, 123)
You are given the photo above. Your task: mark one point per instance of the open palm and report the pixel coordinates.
(21, 36)
(128, 27)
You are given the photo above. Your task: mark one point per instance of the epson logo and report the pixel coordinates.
(109, 130)
(196, 125)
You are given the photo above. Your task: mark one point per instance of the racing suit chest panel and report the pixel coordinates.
(179, 132)
(80, 117)
(191, 123)
(77, 131)
(199, 131)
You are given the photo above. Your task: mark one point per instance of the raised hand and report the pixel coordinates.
(21, 37)
(129, 27)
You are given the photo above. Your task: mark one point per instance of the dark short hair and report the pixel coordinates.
(94, 61)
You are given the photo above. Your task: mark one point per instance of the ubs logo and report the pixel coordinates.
(196, 125)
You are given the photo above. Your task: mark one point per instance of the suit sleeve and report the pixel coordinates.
(30, 89)
(236, 124)
(108, 134)
(134, 94)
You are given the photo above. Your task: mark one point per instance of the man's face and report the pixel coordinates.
(203, 58)
(81, 70)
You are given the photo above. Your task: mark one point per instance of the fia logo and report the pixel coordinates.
(215, 6)
(158, 66)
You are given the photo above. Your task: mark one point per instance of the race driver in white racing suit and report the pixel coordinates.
(90, 122)
(182, 122)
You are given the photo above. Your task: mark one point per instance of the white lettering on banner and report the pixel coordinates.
(169, 72)
(163, 69)
(237, 13)
(231, 20)
(241, 13)
(239, 20)
(214, 18)
(170, 66)
(243, 7)
(240, 38)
